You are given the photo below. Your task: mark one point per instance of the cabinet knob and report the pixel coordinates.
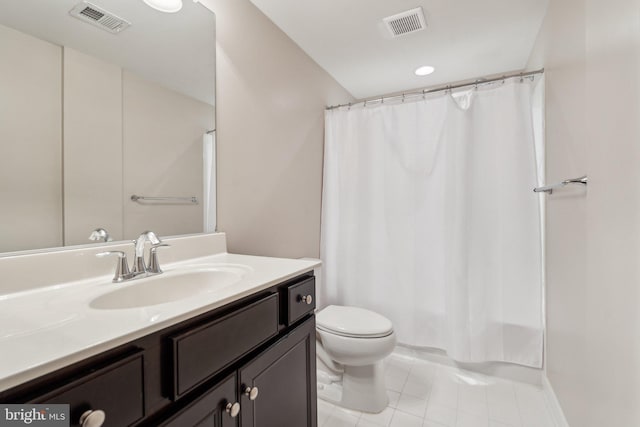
(232, 409)
(251, 392)
(308, 299)
(92, 418)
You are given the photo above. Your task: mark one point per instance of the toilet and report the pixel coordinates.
(351, 342)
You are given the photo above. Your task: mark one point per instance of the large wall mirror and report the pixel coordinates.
(100, 101)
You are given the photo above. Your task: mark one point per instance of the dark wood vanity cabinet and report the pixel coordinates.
(285, 376)
(250, 363)
(211, 409)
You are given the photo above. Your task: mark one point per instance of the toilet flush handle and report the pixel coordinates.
(308, 299)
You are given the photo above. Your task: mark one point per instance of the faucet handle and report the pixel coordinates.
(154, 266)
(100, 234)
(122, 268)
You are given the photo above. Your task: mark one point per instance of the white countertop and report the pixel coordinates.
(47, 328)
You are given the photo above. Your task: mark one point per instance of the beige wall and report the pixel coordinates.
(613, 211)
(162, 140)
(591, 52)
(30, 142)
(92, 147)
(125, 135)
(270, 98)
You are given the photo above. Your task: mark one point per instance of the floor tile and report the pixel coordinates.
(500, 390)
(505, 411)
(365, 423)
(324, 411)
(412, 405)
(532, 406)
(423, 371)
(425, 394)
(382, 419)
(473, 399)
(401, 419)
(444, 392)
(464, 419)
(404, 363)
(395, 377)
(341, 419)
(417, 387)
(394, 396)
(441, 414)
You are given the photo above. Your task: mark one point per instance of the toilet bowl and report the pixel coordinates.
(354, 341)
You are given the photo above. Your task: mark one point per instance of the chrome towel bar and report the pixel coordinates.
(549, 188)
(191, 199)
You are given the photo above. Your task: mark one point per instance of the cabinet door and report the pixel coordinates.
(209, 410)
(285, 376)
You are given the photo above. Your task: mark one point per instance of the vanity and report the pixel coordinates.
(124, 125)
(237, 352)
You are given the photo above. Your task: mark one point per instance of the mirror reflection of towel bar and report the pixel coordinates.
(549, 188)
(191, 199)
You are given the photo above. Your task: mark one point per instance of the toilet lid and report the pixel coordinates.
(353, 322)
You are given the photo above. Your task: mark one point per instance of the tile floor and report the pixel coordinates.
(425, 394)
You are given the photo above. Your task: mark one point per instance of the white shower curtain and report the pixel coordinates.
(429, 218)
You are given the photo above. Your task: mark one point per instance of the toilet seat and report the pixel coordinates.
(353, 322)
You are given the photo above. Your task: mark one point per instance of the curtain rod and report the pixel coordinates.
(476, 82)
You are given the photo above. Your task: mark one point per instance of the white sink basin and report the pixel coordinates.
(169, 287)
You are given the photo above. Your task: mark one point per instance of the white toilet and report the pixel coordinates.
(352, 341)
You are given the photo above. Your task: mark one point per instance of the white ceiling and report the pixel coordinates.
(176, 50)
(464, 39)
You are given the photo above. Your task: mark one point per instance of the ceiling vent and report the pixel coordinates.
(99, 17)
(406, 22)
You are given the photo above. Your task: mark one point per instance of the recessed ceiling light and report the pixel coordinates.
(169, 6)
(422, 71)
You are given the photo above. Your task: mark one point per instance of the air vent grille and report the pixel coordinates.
(406, 22)
(99, 17)
(91, 13)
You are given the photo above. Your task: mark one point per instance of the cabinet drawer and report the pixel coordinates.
(116, 389)
(200, 353)
(209, 409)
(298, 302)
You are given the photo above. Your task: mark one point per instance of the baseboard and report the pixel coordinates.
(553, 404)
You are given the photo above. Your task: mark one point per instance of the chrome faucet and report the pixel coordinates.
(100, 234)
(122, 268)
(140, 268)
